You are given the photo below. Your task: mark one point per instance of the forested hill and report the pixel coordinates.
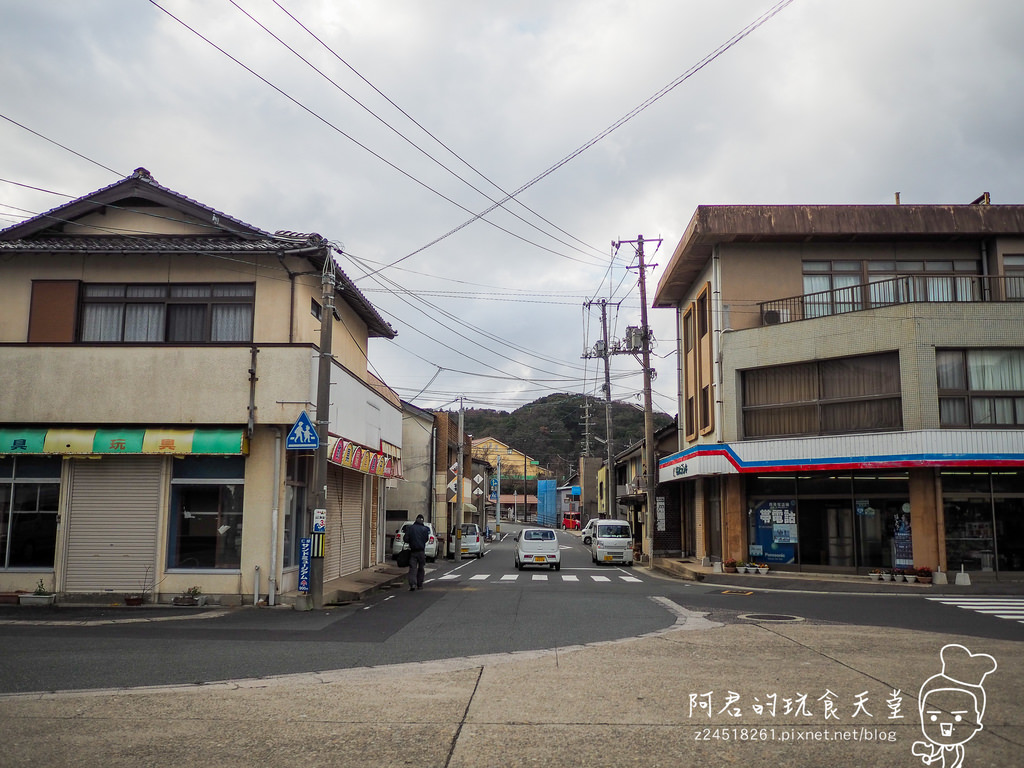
(551, 430)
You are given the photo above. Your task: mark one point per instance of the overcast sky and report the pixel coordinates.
(426, 113)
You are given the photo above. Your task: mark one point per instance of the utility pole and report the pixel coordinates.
(650, 454)
(603, 349)
(323, 409)
(457, 544)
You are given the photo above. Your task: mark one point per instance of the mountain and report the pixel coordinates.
(552, 429)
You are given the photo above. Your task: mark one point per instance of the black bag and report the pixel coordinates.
(402, 558)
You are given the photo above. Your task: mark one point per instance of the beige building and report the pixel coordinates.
(155, 355)
(851, 386)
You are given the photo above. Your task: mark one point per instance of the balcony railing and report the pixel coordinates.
(905, 289)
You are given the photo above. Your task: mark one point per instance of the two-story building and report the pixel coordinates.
(155, 354)
(851, 385)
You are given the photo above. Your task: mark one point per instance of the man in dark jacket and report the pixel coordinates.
(416, 537)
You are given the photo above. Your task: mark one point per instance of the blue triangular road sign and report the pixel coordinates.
(303, 436)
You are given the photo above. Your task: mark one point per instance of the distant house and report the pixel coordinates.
(851, 386)
(155, 354)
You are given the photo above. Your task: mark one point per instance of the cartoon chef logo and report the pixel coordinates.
(951, 705)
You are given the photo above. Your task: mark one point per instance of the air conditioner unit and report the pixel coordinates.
(775, 316)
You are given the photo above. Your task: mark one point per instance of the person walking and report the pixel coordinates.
(416, 537)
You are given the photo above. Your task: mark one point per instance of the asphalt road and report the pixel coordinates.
(472, 607)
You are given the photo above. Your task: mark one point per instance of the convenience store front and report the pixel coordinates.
(897, 500)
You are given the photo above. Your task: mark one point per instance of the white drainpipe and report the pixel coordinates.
(272, 578)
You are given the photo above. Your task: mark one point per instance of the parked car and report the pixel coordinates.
(399, 544)
(472, 541)
(571, 521)
(611, 542)
(537, 546)
(588, 531)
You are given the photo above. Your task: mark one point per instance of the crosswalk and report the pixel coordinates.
(565, 578)
(1011, 608)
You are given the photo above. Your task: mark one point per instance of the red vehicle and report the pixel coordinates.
(571, 521)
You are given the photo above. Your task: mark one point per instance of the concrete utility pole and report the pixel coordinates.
(603, 350)
(650, 454)
(323, 409)
(457, 544)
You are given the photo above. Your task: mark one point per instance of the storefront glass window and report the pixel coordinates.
(833, 521)
(984, 515)
(206, 513)
(969, 534)
(296, 516)
(29, 496)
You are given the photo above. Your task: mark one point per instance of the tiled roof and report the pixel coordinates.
(143, 244)
(141, 182)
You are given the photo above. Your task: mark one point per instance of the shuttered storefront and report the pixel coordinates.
(346, 530)
(112, 524)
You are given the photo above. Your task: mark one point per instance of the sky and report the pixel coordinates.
(477, 162)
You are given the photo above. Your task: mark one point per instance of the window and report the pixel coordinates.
(29, 495)
(174, 313)
(851, 394)
(206, 513)
(296, 516)
(835, 287)
(1013, 266)
(980, 387)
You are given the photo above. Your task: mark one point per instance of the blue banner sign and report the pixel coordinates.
(305, 552)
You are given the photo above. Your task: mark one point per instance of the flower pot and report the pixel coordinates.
(924, 579)
(875, 576)
(730, 569)
(911, 578)
(133, 599)
(30, 599)
(762, 570)
(185, 601)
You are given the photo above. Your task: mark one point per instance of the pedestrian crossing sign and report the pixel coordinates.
(303, 436)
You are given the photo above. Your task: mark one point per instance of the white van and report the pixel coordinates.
(612, 542)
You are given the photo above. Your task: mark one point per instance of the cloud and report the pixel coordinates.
(825, 103)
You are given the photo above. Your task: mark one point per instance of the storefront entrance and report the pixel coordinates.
(825, 521)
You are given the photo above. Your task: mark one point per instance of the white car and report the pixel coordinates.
(399, 544)
(537, 546)
(472, 541)
(588, 531)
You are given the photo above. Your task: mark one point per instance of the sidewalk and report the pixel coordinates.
(839, 583)
(698, 693)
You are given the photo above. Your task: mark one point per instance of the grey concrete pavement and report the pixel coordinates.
(659, 700)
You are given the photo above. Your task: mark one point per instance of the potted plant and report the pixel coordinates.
(729, 566)
(762, 568)
(40, 596)
(924, 574)
(897, 574)
(191, 596)
(875, 574)
(885, 575)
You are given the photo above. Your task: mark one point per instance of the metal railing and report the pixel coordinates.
(905, 289)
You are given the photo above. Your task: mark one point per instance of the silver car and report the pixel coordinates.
(399, 543)
(472, 541)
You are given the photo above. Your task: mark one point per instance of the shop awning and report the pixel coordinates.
(84, 442)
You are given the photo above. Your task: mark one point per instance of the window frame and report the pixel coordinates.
(969, 397)
(167, 297)
(813, 408)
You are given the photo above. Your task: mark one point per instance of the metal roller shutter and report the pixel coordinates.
(112, 524)
(354, 526)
